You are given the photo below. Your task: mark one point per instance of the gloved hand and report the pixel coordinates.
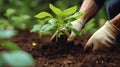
(77, 24)
(102, 38)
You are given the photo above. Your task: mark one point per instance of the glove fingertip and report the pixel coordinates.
(88, 47)
(69, 39)
(95, 48)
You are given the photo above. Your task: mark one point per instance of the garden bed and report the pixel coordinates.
(64, 54)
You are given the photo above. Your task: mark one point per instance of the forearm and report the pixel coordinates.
(90, 8)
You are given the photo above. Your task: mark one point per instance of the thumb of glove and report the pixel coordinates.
(78, 25)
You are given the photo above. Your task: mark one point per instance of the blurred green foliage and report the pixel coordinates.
(29, 8)
(14, 57)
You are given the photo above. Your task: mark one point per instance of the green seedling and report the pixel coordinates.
(57, 22)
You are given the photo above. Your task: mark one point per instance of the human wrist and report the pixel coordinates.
(111, 28)
(116, 21)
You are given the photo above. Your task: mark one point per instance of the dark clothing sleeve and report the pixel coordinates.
(99, 3)
(113, 8)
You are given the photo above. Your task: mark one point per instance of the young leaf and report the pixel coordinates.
(46, 27)
(77, 15)
(10, 45)
(52, 21)
(43, 15)
(9, 12)
(5, 34)
(36, 28)
(2, 61)
(56, 10)
(49, 28)
(18, 59)
(59, 34)
(68, 25)
(70, 11)
(67, 33)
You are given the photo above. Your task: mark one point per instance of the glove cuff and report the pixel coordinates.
(81, 21)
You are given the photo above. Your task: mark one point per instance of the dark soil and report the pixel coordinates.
(62, 54)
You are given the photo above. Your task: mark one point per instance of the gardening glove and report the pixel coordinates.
(78, 25)
(102, 38)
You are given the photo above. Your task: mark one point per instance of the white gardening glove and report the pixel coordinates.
(102, 38)
(78, 25)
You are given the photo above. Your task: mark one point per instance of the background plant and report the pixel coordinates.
(13, 56)
(30, 8)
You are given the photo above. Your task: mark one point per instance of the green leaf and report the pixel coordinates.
(77, 15)
(2, 62)
(68, 25)
(56, 10)
(70, 11)
(18, 59)
(36, 28)
(25, 17)
(43, 15)
(46, 27)
(9, 12)
(4, 24)
(59, 34)
(67, 33)
(10, 45)
(52, 21)
(49, 27)
(5, 34)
